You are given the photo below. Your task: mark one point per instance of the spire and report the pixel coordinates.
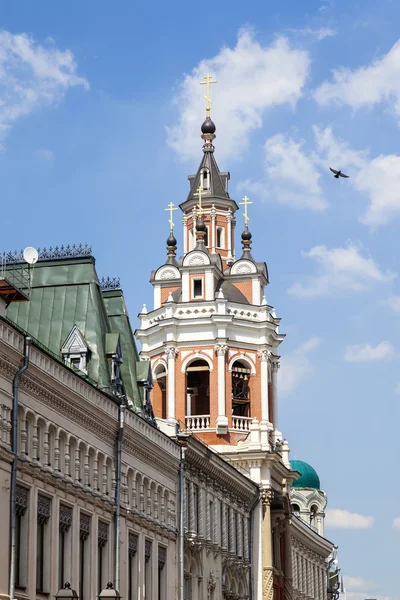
(171, 241)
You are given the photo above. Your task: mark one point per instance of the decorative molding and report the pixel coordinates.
(65, 518)
(275, 366)
(221, 349)
(110, 283)
(243, 267)
(21, 500)
(84, 526)
(268, 584)
(74, 251)
(132, 544)
(264, 355)
(196, 258)
(102, 534)
(171, 352)
(43, 508)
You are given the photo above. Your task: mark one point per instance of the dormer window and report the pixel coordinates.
(205, 179)
(75, 351)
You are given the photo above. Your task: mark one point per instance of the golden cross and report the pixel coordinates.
(171, 209)
(246, 204)
(208, 81)
(199, 194)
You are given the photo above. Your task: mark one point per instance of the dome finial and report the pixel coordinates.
(171, 241)
(208, 127)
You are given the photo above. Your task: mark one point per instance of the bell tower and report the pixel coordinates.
(211, 337)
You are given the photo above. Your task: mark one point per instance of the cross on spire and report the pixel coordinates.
(208, 80)
(246, 203)
(199, 193)
(170, 209)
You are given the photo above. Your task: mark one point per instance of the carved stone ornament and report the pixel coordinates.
(21, 500)
(242, 269)
(266, 497)
(102, 534)
(171, 352)
(132, 544)
(84, 527)
(147, 550)
(221, 349)
(168, 274)
(264, 355)
(43, 508)
(65, 518)
(162, 556)
(268, 584)
(276, 366)
(196, 260)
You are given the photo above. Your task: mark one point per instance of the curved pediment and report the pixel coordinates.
(167, 272)
(196, 258)
(243, 267)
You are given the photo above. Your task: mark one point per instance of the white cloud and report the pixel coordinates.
(337, 518)
(292, 177)
(46, 155)
(394, 303)
(340, 269)
(380, 180)
(319, 34)
(367, 85)
(353, 583)
(297, 366)
(367, 353)
(396, 523)
(32, 76)
(335, 152)
(251, 79)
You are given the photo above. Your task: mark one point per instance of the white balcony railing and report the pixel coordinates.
(198, 422)
(241, 423)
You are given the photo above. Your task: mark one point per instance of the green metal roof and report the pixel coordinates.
(65, 293)
(309, 477)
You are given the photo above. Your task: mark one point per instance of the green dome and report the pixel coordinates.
(309, 477)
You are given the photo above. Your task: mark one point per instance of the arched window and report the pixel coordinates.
(159, 393)
(296, 509)
(198, 391)
(205, 177)
(241, 389)
(220, 237)
(313, 512)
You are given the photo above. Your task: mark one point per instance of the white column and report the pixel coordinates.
(229, 234)
(222, 419)
(264, 357)
(275, 366)
(171, 353)
(185, 234)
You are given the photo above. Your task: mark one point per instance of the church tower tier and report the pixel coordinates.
(211, 338)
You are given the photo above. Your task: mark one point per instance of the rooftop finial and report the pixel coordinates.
(208, 80)
(208, 127)
(246, 203)
(199, 194)
(171, 241)
(171, 209)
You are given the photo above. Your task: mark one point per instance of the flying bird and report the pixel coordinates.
(338, 173)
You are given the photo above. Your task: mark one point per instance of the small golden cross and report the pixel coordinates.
(208, 81)
(170, 209)
(246, 204)
(199, 193)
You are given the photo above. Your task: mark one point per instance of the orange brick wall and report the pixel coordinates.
(165, 292)
(245, 287)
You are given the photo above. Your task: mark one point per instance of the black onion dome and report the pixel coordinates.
(200, 225)
(171, 241)
(208, 126)
(246, 235)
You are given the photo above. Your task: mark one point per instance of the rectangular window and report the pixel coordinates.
(132, 567)
(147, 570)
(211, 509)
(21, 536)
(84, 563)
(162, 583)
(102, 538)
(197, 288)
(65, 522)
(43, 544)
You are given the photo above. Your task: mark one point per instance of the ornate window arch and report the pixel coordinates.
(242, 358)
(196, 356)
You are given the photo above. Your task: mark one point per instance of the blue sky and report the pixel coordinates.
(99, 126)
